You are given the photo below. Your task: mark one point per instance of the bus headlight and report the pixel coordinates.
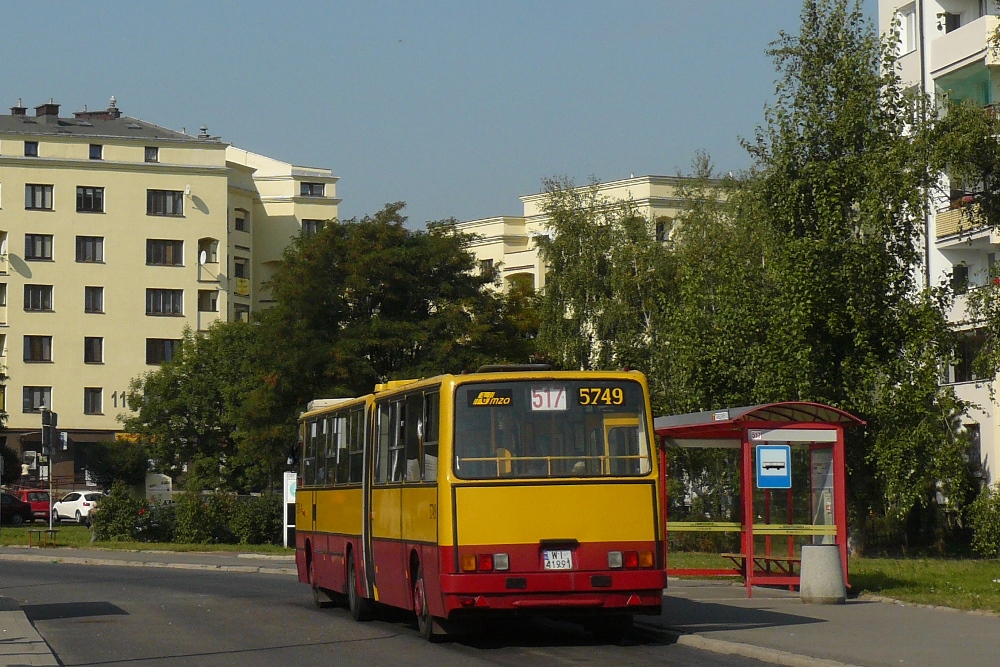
(615, 559)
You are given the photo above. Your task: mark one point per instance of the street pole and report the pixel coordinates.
(49, 421)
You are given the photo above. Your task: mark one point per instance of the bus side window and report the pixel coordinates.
(431, 413)
(321, 445)
(356, 444)
(343, 460)
(382, 445)
(413, 426)
(309, 461)
(398, 440)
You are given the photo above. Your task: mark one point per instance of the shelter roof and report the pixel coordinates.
(729, 419)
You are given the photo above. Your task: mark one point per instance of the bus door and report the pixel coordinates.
(621, 440)
(369, 431)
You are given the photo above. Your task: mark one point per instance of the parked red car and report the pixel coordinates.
(38, 499)
(14, 511)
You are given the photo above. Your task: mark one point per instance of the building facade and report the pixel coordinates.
(946, 50)
(127, 233)
(508, 245)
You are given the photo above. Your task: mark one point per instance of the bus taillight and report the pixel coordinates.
(629, 559)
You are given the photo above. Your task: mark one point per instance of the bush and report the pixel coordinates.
(984, 515)
(224, 518)
(257, 519)
(117, 516)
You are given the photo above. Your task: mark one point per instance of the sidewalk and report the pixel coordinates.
(775, 626)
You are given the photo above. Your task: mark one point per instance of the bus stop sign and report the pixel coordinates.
(774, 467)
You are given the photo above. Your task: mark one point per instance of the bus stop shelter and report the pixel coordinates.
(791, 491)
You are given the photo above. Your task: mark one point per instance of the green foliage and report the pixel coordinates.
(118, 516)
(224, 518)
(984, 515)
(11, 465)
(116, 461)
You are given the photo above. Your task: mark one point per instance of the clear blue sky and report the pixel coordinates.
(456, 108)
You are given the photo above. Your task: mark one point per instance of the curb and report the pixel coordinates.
(75, 560)
(21, 644)
(723, 647)
(936, 607)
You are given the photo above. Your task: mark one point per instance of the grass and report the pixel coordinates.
(949, 582)
(79, 536)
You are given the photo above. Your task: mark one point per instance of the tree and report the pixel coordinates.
(189, 410)
(117, 461)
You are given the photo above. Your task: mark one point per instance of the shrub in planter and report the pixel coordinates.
(984, 515)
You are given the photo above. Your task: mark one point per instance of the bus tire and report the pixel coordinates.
(362, 609)
(425, 622)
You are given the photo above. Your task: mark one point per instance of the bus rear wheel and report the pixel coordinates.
(362, 609)
(425, 622)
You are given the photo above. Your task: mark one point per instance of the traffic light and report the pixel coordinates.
(49, 436)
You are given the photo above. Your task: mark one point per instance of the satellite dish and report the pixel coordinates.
(202, 257)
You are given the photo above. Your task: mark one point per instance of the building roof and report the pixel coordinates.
(728, 418)
(122, 127)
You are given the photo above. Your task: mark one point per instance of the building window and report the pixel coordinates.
(93, 403)
(164, 252)
(240, 221)
(159, 350)
(312, 227)
(93, 299)
(208, 301)
(312, 189)
(38, 197)
(960, 279)
(164, 302)
(38, 297)
(90, 248)
(241, 312)
(30, 149)
(241, 267)
(96, 152)
(152, 154)
(968, 349)
(486, 268)
(38, 246)
(38, 348)
(89, 200)
(36, 398)
(164, 202)
(93, 350)
(908, 29)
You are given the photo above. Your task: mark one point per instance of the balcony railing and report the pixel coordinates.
(958, 46)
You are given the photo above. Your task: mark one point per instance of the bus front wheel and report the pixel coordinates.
(362, 609)
(425, 622)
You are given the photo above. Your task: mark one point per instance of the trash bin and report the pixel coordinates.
(821, 575)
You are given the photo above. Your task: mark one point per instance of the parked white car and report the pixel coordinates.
(76, 506)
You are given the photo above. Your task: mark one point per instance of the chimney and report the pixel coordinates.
(18, 110)
(111, 113)
(49, 109)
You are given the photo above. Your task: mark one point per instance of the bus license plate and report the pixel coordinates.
(558, 560)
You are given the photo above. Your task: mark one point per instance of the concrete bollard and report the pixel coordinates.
(821, 579)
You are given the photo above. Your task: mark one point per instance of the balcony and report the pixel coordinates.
(964, 46)
(205, 319)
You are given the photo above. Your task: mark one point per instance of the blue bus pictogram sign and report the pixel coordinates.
(774, 467)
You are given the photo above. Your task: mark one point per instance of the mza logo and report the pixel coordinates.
(490, 398)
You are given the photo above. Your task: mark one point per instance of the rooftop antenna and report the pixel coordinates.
(112, 102)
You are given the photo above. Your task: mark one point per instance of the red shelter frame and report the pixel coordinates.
(820, 426)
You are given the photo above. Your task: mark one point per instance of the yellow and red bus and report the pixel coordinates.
(512, 489)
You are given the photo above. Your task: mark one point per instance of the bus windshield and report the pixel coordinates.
(565, 428)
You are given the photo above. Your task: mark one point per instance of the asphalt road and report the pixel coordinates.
(152, 617)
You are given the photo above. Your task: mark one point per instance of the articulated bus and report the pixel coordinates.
(504, 491)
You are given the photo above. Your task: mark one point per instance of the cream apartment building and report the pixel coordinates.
(115, 235)
(945, 51)
(508, 243)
